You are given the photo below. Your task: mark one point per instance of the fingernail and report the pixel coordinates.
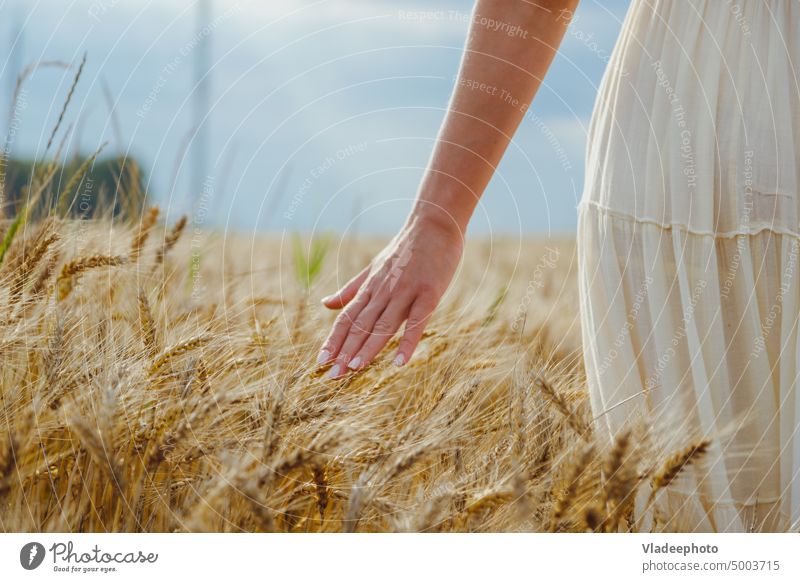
(326, 298)
(355, 363)
(323, 357)
(399, 360)
(335, 371)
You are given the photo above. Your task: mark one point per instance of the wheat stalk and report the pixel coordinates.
(147, 224)
(64, 108)
(565, 501)
(98, 449)
(674, 466)
(39, 286)
(176, 351)
(75, 179)
(147, 324)
(321, 485)
(560, 404)
(171, 239)
(678, 462)
(28, 265)
(8, 463)
(73, 269)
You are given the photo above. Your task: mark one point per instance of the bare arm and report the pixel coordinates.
(510, 47)
(499, 76)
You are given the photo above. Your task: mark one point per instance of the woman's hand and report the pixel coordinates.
(408, 278)
(404, 282)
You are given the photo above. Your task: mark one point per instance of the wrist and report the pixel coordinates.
(431, 216)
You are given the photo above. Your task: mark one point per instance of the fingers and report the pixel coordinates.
(418, 317)
(346, 293)
(341, 327)
(357, 334)
(375, 324)
(384, 329)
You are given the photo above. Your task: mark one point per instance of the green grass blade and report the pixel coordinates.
(308, 265)
(20, 219)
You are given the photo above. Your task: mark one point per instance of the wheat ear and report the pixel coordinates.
(177, 350)
(147, 224)
(75, 268)
(171, 239)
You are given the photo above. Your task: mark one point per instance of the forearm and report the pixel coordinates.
(510, 46)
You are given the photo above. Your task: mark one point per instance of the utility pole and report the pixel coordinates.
(16, 47)
(201, 100)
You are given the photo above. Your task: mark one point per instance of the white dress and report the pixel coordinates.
(688, 249)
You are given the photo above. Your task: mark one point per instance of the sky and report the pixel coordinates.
(321, 114)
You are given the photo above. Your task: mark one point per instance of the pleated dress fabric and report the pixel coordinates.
(688, 248)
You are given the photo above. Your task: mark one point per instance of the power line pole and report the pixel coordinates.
(16, 47)
(202, 99)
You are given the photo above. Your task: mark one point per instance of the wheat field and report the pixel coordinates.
(157, 378)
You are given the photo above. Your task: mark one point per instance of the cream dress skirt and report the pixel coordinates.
(688, 248)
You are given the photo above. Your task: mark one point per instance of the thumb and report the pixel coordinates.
(344, 295)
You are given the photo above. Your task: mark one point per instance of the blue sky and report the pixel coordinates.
(323, 113)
